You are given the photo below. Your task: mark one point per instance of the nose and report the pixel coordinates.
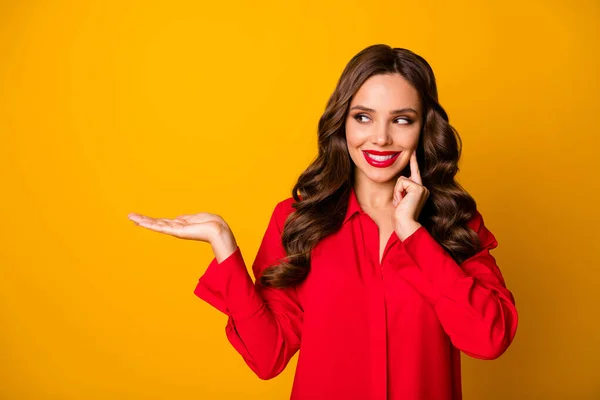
(381, 135)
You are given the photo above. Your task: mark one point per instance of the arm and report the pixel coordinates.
(471, 300)
(264, 324)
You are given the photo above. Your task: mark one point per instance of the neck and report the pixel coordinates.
(372, 194)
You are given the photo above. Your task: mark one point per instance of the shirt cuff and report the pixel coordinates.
(228, 287)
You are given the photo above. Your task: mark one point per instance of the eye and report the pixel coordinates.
(359, 116)
(405, 121)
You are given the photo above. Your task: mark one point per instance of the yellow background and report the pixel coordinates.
(165, 108)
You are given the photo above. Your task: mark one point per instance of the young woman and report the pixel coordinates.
(378, 267)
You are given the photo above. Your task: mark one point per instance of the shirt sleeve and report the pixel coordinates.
(264, 324)
(471, 300)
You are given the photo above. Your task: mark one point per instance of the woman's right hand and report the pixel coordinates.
(204, 227)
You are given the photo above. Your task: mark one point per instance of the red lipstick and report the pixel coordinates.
(378, 161)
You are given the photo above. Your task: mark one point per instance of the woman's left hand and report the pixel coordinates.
(409, 198)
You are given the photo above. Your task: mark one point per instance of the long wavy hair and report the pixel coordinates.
(322, 191)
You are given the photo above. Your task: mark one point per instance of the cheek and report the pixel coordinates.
(354, 137)
(410, 140)
(353, 142)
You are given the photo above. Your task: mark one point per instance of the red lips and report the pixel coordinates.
(381, 153)
(377, 163)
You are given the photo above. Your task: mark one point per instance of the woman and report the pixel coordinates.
(378, 267)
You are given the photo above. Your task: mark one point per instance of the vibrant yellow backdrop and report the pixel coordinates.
(165, 108)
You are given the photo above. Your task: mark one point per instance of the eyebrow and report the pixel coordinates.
(400, 111)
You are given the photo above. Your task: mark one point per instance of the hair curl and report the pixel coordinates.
(322, 191)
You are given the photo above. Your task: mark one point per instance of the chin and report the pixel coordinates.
(382, 176)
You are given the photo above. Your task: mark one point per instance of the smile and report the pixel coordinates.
(380, 159)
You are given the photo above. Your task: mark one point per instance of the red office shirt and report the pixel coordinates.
(366, 330)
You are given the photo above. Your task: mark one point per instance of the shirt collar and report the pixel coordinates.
(353, 206)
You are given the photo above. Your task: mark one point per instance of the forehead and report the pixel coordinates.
(386, 91)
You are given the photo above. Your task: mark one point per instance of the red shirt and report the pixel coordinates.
(366, 330)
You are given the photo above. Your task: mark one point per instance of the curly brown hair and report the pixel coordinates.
(322, 191)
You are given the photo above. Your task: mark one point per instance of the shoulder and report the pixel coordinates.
(486, 237)
(282, 210)
(476, 221)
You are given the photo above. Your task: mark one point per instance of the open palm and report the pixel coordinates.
(201, 226)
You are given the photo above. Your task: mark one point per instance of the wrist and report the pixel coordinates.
(404, 231)
(223, 244)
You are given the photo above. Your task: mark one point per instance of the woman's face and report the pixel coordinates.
(384, 116)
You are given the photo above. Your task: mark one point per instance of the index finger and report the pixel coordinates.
(415, 174)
